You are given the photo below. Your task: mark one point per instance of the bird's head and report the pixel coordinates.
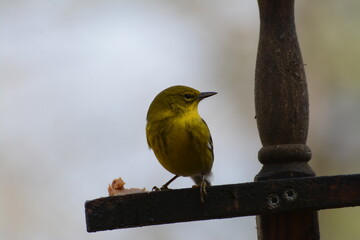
(174, 101)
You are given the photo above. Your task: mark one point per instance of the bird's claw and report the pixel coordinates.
(203, 193)
(156, 189)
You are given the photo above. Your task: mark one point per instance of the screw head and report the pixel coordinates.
(290, 194)
(273, 201)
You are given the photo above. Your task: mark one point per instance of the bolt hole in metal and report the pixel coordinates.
(273, 201)
(290, 194)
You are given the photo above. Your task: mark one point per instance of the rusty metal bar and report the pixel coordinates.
(226, 201)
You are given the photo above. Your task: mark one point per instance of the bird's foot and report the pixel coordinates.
(165, 186)
(162, 188)
(155, 189)
(203, 193)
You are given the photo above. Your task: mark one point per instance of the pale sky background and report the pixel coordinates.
(76, 80)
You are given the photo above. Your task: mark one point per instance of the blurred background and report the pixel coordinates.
(76, 80)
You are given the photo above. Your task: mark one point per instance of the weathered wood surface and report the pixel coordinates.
(226, 201)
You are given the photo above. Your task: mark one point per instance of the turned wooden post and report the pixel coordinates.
(282, 114)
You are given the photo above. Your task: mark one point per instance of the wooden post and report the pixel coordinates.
(282, 113)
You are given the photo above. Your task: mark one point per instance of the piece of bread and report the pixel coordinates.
(116, 188)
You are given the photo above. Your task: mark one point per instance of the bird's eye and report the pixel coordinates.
(188, 96)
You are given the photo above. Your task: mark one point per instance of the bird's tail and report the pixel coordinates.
(199, 178)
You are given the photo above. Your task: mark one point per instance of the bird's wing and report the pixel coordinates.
(210, 141)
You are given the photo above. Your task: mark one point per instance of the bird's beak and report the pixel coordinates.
(206, 94)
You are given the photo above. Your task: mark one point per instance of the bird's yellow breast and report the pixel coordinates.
(182, 144)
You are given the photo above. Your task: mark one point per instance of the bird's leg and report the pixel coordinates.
(201, 183)
(202, 186)
(165, 186)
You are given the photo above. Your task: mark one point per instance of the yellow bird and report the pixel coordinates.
(179, 137)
